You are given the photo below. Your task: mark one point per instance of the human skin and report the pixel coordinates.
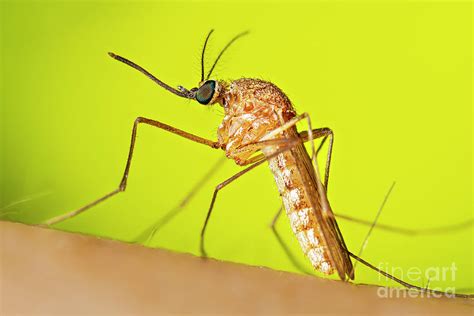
(48, 272)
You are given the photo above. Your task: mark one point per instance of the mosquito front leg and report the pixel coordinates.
(123, 183)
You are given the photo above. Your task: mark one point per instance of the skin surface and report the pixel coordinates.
(48, 272)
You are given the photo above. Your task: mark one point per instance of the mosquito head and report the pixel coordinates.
(209, 91)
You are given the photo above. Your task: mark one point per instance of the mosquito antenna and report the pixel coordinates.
(182, 92)
(202, 55)
(406, 284)
(223, 50)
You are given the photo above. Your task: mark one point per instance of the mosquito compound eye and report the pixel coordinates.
(206, 92)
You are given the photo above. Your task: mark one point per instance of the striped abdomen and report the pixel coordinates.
(298, 208)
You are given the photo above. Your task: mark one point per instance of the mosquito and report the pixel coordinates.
(260, 126)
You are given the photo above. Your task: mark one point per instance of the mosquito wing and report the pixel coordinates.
(330, 233)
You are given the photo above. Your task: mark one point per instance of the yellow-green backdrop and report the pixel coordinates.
(393, 80)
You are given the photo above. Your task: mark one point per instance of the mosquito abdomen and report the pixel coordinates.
(298, 208)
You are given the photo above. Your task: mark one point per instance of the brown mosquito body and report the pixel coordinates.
(260, 126)
(254, 108)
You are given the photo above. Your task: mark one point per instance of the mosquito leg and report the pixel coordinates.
(123, 182)
(366, 239)
(285, 248)
(219, 187)
(406, 284)
(276, 217)
(257, 146)
(291, 123)
(254, 162)
(410, 232)
(328, 133)
(308, 135)
(317, 133)
(150, 232)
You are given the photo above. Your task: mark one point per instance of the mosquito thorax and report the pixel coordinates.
(252, 108)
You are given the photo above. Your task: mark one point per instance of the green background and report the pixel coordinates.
(392, 80)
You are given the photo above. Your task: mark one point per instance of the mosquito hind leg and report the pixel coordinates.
(406, 284)
(444, 229)
(276, 217)
(374, 223)
(326, 133)
(123, 183)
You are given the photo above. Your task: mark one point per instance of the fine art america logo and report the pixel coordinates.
(415, 275)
